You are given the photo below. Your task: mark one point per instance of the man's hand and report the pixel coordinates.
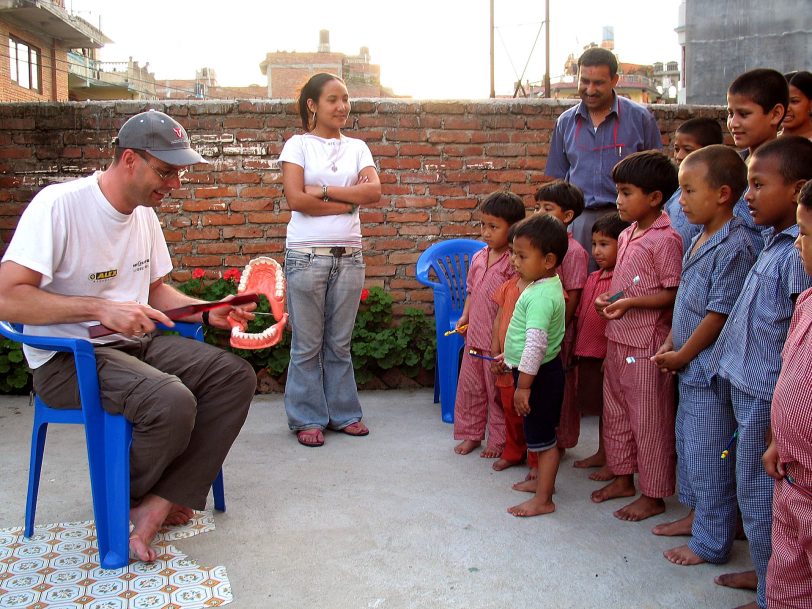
(772, 462)
(132, 318)
(521, 401)
(219, 317)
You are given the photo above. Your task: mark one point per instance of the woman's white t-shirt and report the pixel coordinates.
(326, 162)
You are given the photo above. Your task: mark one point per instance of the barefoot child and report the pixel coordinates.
(566, 202)
(713, 271)
(590, 340)
(747, 355)
(476, 407)
(789, 456)
(506, 296)
(638, 410)
(532, 348)
(693, 134)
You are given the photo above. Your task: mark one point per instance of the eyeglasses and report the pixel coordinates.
(165, 175)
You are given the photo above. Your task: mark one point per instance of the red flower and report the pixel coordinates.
(198, 274)
(364, 294)
(232, 275)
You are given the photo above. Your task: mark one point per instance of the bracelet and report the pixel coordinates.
(205, 318)
(324, 196)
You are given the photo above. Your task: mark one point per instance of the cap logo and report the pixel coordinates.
(178, 131)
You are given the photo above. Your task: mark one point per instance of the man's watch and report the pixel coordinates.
(324, 196)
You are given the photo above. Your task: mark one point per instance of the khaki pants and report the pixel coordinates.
(186, 400)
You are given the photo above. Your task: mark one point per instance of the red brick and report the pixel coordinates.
(404, 217)
(202, 234)
(403, 258)
(417, 150)
(269, 217)
(222, 219)
(421, 230)
(415, 202)
(201, 261)
(213, 192)
(260, 192)
(384, 270)
(204, 206)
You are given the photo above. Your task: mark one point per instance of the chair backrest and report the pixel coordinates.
(444, 268)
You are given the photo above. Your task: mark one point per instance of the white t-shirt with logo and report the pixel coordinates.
(82, 246)
(326, 162)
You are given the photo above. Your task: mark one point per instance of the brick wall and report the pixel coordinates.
(49, 57)
(437, 159)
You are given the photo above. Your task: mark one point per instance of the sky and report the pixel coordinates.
(430, 49)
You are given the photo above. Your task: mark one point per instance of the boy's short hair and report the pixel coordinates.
(597, 56)
(546, 234)
(650, 171)
(706, 131)
(567, 196)
(724, 167)
(504, 204)
(803, 82)
(764, 86)
(805, 196)
(610, 225)
(794, 156)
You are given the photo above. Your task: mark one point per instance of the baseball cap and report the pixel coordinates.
(160, 135)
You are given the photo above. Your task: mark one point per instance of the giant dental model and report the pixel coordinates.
(265, 276)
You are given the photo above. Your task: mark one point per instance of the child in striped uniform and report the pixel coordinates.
(638, 399)
(477, 407)
(789, 456)
(747, 355)
(713, 271)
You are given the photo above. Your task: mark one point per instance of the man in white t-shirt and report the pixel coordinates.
(92, 250)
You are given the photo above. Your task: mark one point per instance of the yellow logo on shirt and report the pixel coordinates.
(103, 275)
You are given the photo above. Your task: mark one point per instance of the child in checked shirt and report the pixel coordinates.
(713, 271)
(789, 456)
(748, 352)
(476, 407)
(638, 408)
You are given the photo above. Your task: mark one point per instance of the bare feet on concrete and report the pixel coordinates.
(641, 508)
(676, 528)
(683, 555)
(466, 446)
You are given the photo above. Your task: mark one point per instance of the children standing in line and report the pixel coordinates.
(693, 134)
(506, 296)
(590, 339)
(476, 408)
(638, 410)
(566, 202)
(789, 456)
(748, 351)
(713, 272)
(532, 348)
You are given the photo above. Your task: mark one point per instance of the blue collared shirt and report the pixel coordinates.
(585, 156)
(712, 278)
(748, 352)
(688, 231)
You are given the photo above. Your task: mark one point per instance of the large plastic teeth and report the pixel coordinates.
(267, 333)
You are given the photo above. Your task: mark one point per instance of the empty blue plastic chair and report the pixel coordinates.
(444, 268)
(108, 439)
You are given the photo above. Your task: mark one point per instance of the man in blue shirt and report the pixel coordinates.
(592, 136)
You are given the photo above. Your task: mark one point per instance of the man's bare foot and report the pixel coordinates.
(602, 475)
(466, 446)
(491, 453)
(641, 508)
(504, 464)
(596, 460)
(619, 487)
(526, 486)
(676, 528)
(533, 474)
(683, 555)
(743, 580)
(178, 515)
(533, 507)
(147, 516)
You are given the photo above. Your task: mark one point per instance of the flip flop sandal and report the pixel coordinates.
(356, 429)
(310, 437)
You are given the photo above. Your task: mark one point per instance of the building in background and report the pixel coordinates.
(205, 86)
(723, 38)
(89, 78)
(38, 36)
(287, 71)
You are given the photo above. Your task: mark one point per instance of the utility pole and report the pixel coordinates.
(493, 87)
(547, 49)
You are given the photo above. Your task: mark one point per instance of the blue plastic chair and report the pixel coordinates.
(444, 268)
(108, 439)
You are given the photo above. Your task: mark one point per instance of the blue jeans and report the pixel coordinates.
(323, 295)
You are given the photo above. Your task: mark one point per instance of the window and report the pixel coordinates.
(24, 64)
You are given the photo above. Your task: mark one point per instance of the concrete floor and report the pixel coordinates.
(394, 520)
